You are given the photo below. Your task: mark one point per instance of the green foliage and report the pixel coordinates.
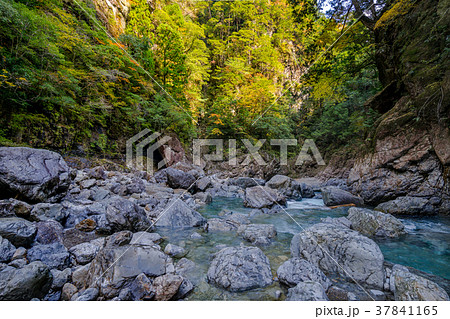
(242, 69)
(62, 79)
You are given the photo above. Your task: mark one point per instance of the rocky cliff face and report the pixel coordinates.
(411, 141)
(113, 14)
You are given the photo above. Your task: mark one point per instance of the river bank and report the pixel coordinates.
(93, 234)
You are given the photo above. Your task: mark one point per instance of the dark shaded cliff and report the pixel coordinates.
(410, 154)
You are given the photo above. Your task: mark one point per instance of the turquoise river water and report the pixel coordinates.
(425, 246)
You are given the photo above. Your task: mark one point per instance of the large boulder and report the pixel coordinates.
(340, 250)
(306, 190)
(220, 225)
(123, 214)
(285, 185)
(296, 270)
(240, 269)
(178, 179)
(33, 175)
(49, 211)
(333, 196)
(15, 208)
(203, 183)
(7, 250)
(407, 205)
(166, 286)
(178, 214)
(307, 291)
(372, 223)
(89, 294)
(263, 196)
(119, 262)
(407, 286)
(53, 255)
(175, 251)
(245, 182)
(49, 232)
(257, 233)
(146, 239)
(18, 231)
(31, 281)
(85, 252)
(234, 217)
(279, 181)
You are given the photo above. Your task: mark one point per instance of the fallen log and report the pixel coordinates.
(344, 205)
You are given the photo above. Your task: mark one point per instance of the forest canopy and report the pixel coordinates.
(229, 69)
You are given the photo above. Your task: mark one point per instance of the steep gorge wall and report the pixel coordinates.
(411, 141)
(113, 14)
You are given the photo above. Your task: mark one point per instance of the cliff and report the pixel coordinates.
(410, 153)
(113, 14)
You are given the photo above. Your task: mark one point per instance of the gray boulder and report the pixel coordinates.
(49, 232)
(279, 181)
(60, 278)
(7, 250)
(49, 211)
(262, 196)
(307, 291)
(339, 250)
(240, 269)
(337, 221)
(146, 239)
(203, 198)
(372, 223)
(203, 183)
(79, 275)
(333, 196)
(178, 179)
(245, 182)
(286, 186)
(407, 205)
(141, 288)
(296, 270)
(18, 231)
(257, 233)
(237, 218)
(53, 255)
(220, 225)
(15, 208)
(175, 251)
(31, 281)
(306, 190)
(407, 286)
(89, 294)
(84, 253)
(33, 175)
(185, 288)
(166, 286)
(178, 215)
(118, 263)
(68, 292)
(123, 214)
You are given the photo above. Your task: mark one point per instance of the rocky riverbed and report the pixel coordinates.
(92, 234)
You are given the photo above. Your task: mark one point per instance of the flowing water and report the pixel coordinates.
(425, 246)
